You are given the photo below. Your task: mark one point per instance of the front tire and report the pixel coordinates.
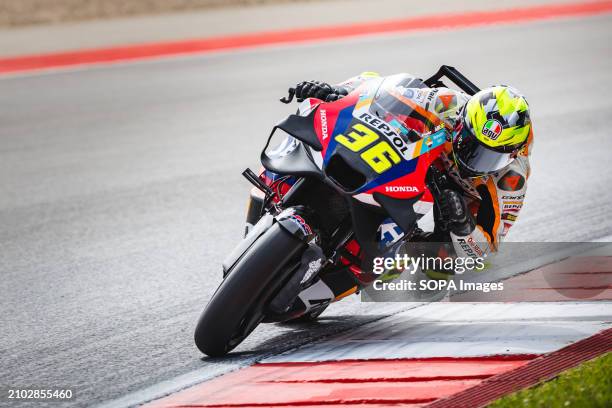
(237, 307)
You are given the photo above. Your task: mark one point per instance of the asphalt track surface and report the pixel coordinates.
(120, 189)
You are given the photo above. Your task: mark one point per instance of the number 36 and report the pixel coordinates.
(379, 157)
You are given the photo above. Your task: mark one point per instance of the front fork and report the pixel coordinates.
(304, 292)
(310, 290)
(254, 211)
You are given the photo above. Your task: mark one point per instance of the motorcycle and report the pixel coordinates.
(347, 183)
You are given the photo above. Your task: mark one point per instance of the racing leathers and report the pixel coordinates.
(491, 203)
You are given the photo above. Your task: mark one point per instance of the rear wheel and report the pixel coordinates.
(237, 307)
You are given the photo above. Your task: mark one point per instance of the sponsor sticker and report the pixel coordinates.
(323, 114)
(492, 129)
(419, 95)
(510, 207)
(430, 97)
(509, 217)
(389, 232)
(401, 189)
(469, 246)
(301, 223)
(386, 130)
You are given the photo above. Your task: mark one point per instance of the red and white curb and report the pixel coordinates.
(430, 353)
(443, 354)
(354, 383)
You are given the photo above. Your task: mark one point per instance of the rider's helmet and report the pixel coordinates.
(492, 127)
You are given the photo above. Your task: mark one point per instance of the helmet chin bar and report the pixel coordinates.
(473, 158)
(461, 169)
(466, 172)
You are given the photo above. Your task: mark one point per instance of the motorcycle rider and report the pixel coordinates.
(486, 160)
(465, 157)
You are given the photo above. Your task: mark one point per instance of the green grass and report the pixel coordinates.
(588, 385)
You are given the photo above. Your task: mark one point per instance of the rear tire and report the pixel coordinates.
(237, 306)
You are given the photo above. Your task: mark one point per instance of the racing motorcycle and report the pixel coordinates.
(347, 182)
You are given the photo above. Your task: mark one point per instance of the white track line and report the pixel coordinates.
(463, 330)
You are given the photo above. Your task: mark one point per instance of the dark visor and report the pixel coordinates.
(472, 155)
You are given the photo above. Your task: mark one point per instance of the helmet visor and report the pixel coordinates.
(475, 158)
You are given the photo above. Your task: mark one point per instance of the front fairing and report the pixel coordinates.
(408, 138)
(291, 157)
(375, 145)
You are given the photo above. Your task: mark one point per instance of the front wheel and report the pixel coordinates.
(237, 307)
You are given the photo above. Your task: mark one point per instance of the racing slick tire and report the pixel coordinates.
(238, 305)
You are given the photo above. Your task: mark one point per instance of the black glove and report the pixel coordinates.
(453, 213)
(319, 90)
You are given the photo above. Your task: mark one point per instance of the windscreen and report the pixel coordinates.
(399, 101)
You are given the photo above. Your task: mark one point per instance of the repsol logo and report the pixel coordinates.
(386, 131)
(324, 124)
(401, 189)
(470, 247)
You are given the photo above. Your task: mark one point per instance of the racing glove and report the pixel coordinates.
(319, 90)
(453, 213)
